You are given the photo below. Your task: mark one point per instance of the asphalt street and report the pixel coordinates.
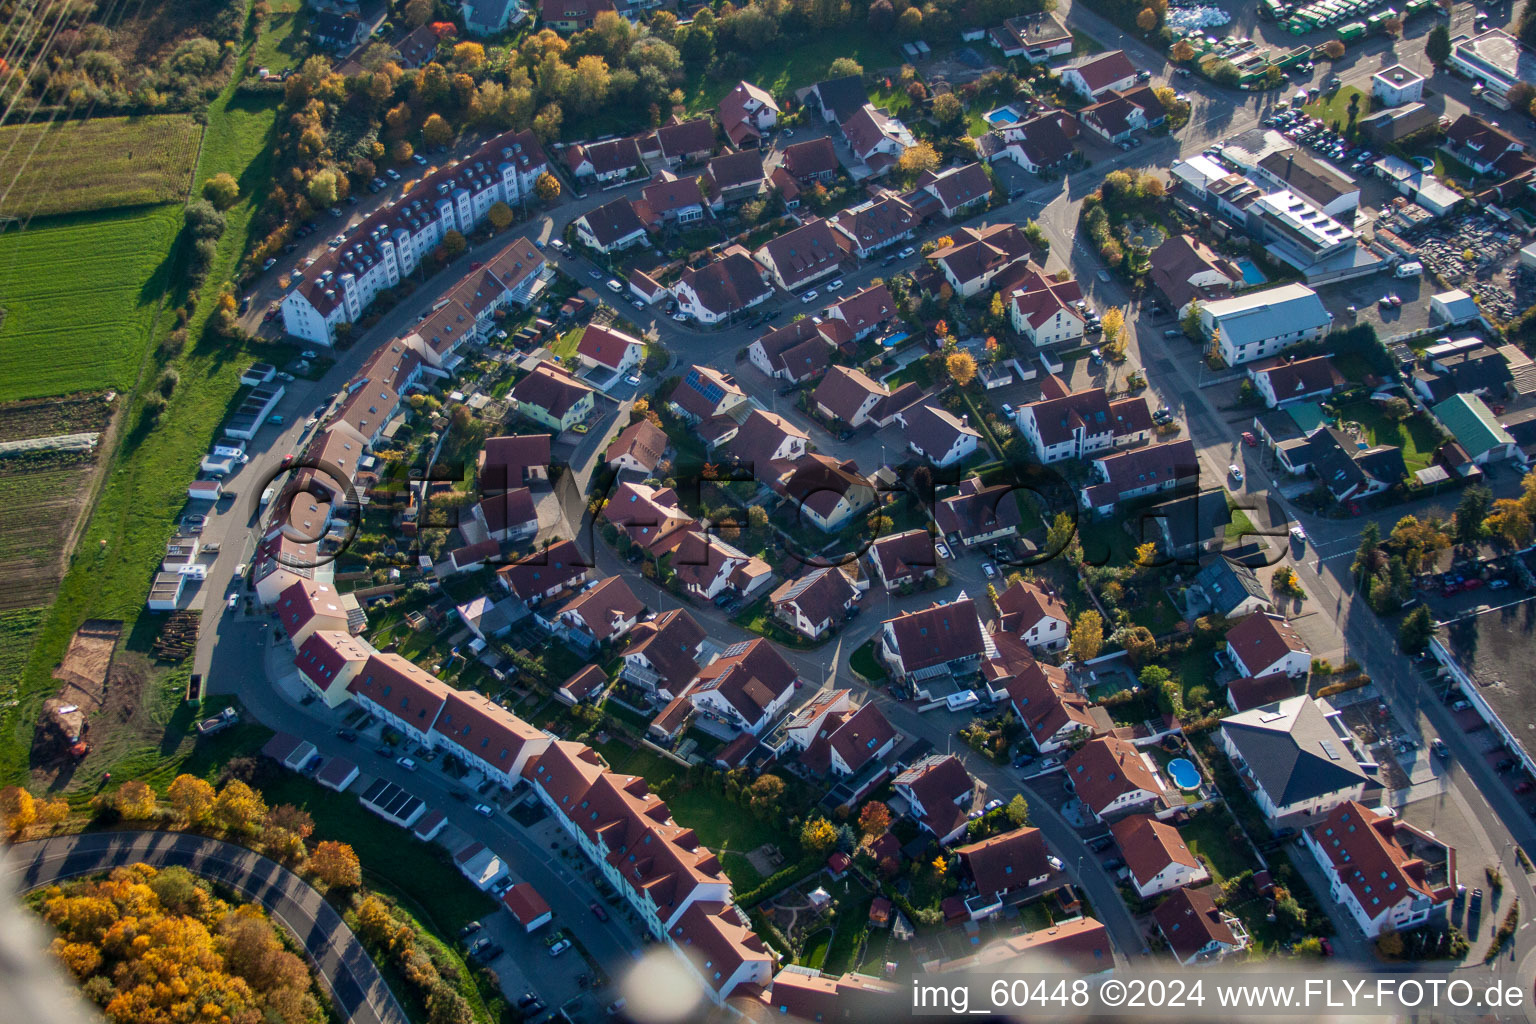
(348, 973)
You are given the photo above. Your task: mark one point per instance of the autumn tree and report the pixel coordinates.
(500, 216)
(191, 798)
(1333, 49)
(238, 807)
(454, 245)
(1115, 342)
(1018, 811)
(1509, 522)
(547, 187)
(961, 367)
(765, 794)
(52, 812)
(948, 114)
(819, 835)
(18, 810)
(874, 819)
(921, 157)
(1182, 52)
(1146, 20)
(1087, 636)
(418, 12)
(336, 864)
(134, 800)
(222, 190)
(401, 151)
(436, 131)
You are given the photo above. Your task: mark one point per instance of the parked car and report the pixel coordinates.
(834, 286)
(1497, 584)
(809, 296)
(908, 251)
(406, 763)
(1438, 746)
(598, 911)
(1236, 472)
(346, 735)
(942, 549)
(1172, 332)
(268, 263)
(1298, 534)
(989, 570)
(560, 947)
(994, 803)
(484, 810)
(1250, 439)
(1048, 764)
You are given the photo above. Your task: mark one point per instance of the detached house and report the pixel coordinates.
(746, 687)
(717, 290)
(940, 640)
(877, 224)
(1125, 476)
(1265, 643)
(1479, 144)
(978, 515)
(939, 792)
(613, 160)
(1298, 757)
(545, 573)
(1042, 143)
(1093, 77)
(850, 396)
(1076, 424)
(1052, 712)
(811, 162)
(1186, 270)
(903, 559)
(553, 397)
(815, 603)
(1045, 311)
(612, 227)
(638, 448)
(603, 613)
(958, 190)
(663, 652)
(863, 313)
(1157, 856)
(876, 138)
(979, 255)
(1007, 862)
(1035, 37)
(681, 142)
(840, 741)
(823, 491)
(1034, 614)
(1117, 116)
(705, 393)
(1284, 381)
(802, 255)
(670, 200)
(938, 435)
(508, 516)
(1111, 776)
(733, 177)
(1389, 875)
(1196, 930)
(795, 352)
(602, 348)
(746, 113)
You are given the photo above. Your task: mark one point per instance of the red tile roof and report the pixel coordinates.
(1007, 861)
(1149, 846)
(1262, 639)
(1189, 919)
(1106, 768)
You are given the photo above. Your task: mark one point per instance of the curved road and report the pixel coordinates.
(348, 973)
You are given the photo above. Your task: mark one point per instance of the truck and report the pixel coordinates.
(218, 723)
(267, 496)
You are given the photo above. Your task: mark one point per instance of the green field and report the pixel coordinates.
(17, 629)
(781, 70)
(37, 512)
(75, 166)
(80, 295)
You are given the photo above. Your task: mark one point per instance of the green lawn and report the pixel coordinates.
(1417, 437)
(394, 860)
(1331, 107)
(866, 663)
(916, 372)
(279, 46)
(565, 344)
(1207, 836)
(783, 69)
(1241, 529)
(80, 294)
(146, 486)
(73, 166)
(1084, 44)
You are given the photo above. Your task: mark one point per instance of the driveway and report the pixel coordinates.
(344, 967)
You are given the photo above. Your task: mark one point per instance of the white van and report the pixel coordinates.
(1412, 268)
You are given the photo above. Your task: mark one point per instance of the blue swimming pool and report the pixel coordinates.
(1184, 773)
(1001, 116)
(1251, 272)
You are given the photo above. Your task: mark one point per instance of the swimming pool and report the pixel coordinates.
(1251, 272)
(1001, 116)
(1184, 773)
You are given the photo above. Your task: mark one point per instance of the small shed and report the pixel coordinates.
(338, 773)
(527, 906)
(289, 751)
(205, 490)
(429, 825)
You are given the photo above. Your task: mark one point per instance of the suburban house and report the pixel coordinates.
(940, 640)
(612, 227)
(1479, 144)
(645, 515)
(815, 603)
(603, 348)
(613, 160)
(939, 792)
(804, 993)
(1119, 115)
(801, 255)
(795, 352)
(1034, 614)
(602, 613)
(823, 491)
(1035, 37)
(638, 448)
(306, 606)
(811, 162)
(1388, 874)
(544, 573)
(876, 138)
(851, 743)
(877, 224)
(1124, 476)
(766, 437)
(571, 15)
(938, 435)
(1042, 143)
(1094, 76)
(1157, 856)
(979, 255)
(1006, 862)
(746, 113)
(976, 514)
(705, 393)
(1045, 311)
(717, 290)
(1264, 643)
(1298, 756)
(1260, 324)
(1231, 589)
(1111, 776)
(903, 559)
(959, 190)
(1196, 930)
(1075, 424)
(1187, 527)
(404, 696)
(1467, 366)
(1348, 471)
(663, 652)
(672, 200)
(512, 461)
(733, 177)
(708, 567)
(1185, 270)
(1397, 85)
(1051, 711)
(746, 687)
(863, 313)
(1283, 381)
(508, 516)
(849, 396)
(588, 684)
(836, 98)
(682, 142)
(553, 397)
(1248, 693)
(1468, 419)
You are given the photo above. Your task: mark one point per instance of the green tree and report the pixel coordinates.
(948, 114)
(1417, 628)
(1191, 323)
(819, 835)
(1365, 554)
(454, 245)
(1087, 636)
(842, 67)
(222, 190)
(1437, 45)
(1476, 502)
(1018, 810)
